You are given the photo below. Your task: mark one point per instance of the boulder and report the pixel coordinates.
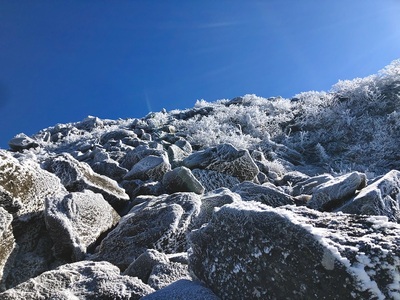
(266, 194)
(7, 244)
(77, 176)
(21, 142)
(159, 223)
(181, 179)
(333, 193)
(225, 159)
(260, 252)
(109, 168)
(164, 274)
(76, 221)
(143, 265)
(149, 168)
(379, 198)
(24, 186)
(132, 157)
(183, 289)
(116, 135)
(80, 280)
(307, 186)
(212, 180)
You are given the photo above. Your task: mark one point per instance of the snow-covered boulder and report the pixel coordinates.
(181, 179)
(335, 192)
(267, 194)
(164, 274)
(307, 186)
(149, 168)
(212, 180)
(21, 142)
(24, 186)
(77, 176)
(253, 251)
(380, 198)
(225, 159)
(76, 221)
(80, 280)
(159, 223)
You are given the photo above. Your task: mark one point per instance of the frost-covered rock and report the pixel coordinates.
(181, 179)
(133, 156)
(224, 159)
(7, 244)
(116, 135)
(80, 280)
(24, 186)
(110, 168)
(159, 223)
(149, 168)
(336, 191)
(379, 198)
(212, 180)
(266, 194)
(76, 221)
(21, 142)
(260, 252)
(143, 265)
(164, 274)
(307, 186)
(183, 289)
(77, 176)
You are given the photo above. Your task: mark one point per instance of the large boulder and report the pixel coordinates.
(307, 186)
(80, 280)
(212, 180)
(77, 176)
(181, 179)
(253, 251)
(159, 223)
(7, 244)
(24, 186)
(335, 192)
(379, 198)
(225, 159)
(269, 195)
(149, 168)
(76, 221)
(21, 142)
(164, 274)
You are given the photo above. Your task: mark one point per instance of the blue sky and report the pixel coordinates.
(61, 61)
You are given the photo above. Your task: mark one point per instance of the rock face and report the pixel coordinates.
(81, 280)
(76, 221)
(257, 250)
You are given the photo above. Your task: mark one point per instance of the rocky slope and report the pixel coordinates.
(248, 198)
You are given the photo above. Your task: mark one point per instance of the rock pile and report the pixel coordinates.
(140, 209)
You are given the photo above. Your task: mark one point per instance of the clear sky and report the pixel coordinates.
(61, 61)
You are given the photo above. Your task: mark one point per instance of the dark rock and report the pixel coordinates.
(77, 176)
(132, 157)
(80, 280)
(7, 244)
(335, 192)
(181, 179)
(266, 194)
(143, 265)
(164, 274)
(76, 221)
(21, 142)
(212, 180)
(24, 186)
(149, 168)
(224, 159)
(181, 290)
(379, 198)
(159, 223)
(250, 250)
(110, 168)
(292, 178)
